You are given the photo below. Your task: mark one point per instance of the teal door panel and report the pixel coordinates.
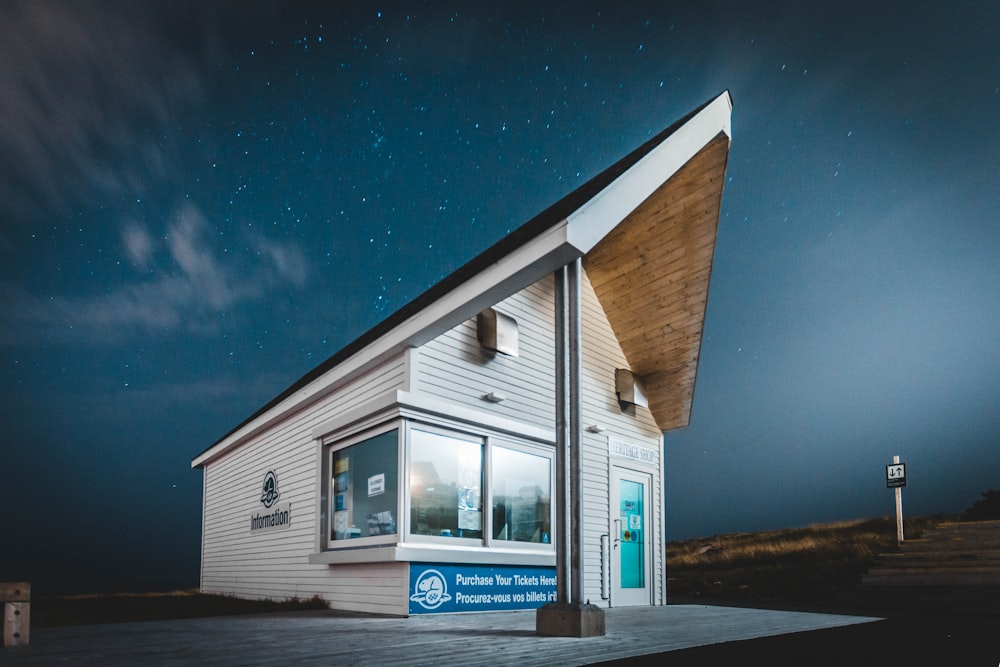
(632, 566)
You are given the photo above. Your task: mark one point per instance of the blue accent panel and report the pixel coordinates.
(441, 588)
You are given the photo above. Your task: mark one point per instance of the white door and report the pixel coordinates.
(630, 544)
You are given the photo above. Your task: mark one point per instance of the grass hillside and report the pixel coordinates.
(811, 565)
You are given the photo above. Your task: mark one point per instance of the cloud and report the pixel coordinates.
(138, 245)
(192, 285)
(95, 97)
(30, 318)
(287, 260)
(197, 261)
(88, 90)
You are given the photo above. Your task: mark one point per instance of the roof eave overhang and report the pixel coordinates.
(651, 274)
(515, 271)
(593, 221)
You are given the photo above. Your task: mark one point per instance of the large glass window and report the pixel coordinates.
(365, 488)
(446, 476)
(521, 485)
(474, 489)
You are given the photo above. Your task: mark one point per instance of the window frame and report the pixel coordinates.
(464, 436)
(486, 438)
(545, 453)
(330, 492)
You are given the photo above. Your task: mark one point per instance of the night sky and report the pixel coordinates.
(200, 202)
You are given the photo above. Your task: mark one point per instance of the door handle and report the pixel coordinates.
(618, 532)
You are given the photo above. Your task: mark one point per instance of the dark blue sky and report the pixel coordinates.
(202, 201)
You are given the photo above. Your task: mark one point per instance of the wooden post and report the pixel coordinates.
(16, 598)
(899, 509)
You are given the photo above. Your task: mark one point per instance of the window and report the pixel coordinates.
(457, 488)
(365, 488)
(522, 498)
(446, 475)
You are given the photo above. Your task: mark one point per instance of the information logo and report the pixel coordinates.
(431, 590)
(269, 494)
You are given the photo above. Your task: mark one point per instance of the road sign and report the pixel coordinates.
(895, 475)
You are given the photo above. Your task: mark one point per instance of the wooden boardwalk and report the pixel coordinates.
(952, 554)
(331, 638)
(954, 569)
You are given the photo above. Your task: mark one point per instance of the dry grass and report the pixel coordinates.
(812, 564)
(815, 563)
(125, 607)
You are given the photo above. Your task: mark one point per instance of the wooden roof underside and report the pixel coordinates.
(651, 275)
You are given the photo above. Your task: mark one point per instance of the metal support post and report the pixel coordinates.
(563, 569)
(570, 615)
(574, 326)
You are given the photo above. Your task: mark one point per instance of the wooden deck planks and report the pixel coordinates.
(325, 638)
(953, 554)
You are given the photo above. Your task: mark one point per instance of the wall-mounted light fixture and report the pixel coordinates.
(630, 389)
(596, 428)
(494, 397)
(497, 332)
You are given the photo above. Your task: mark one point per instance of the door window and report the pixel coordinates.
(632, 537)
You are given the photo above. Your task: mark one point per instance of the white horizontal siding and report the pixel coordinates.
(274, 564)
(455, 368)
(601, 355)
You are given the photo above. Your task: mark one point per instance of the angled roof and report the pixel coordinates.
(645, 228)
(651, 275)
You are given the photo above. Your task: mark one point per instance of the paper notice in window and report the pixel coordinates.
(340, 524)
(470, 520)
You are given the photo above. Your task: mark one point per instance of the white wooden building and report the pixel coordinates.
(417, 470)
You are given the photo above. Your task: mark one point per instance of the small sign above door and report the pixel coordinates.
(620, 449)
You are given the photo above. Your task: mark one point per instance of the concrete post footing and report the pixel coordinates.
(569, 620)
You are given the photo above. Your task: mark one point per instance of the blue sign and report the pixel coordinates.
(439, 588)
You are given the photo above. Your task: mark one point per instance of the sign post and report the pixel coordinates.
(895, 478)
